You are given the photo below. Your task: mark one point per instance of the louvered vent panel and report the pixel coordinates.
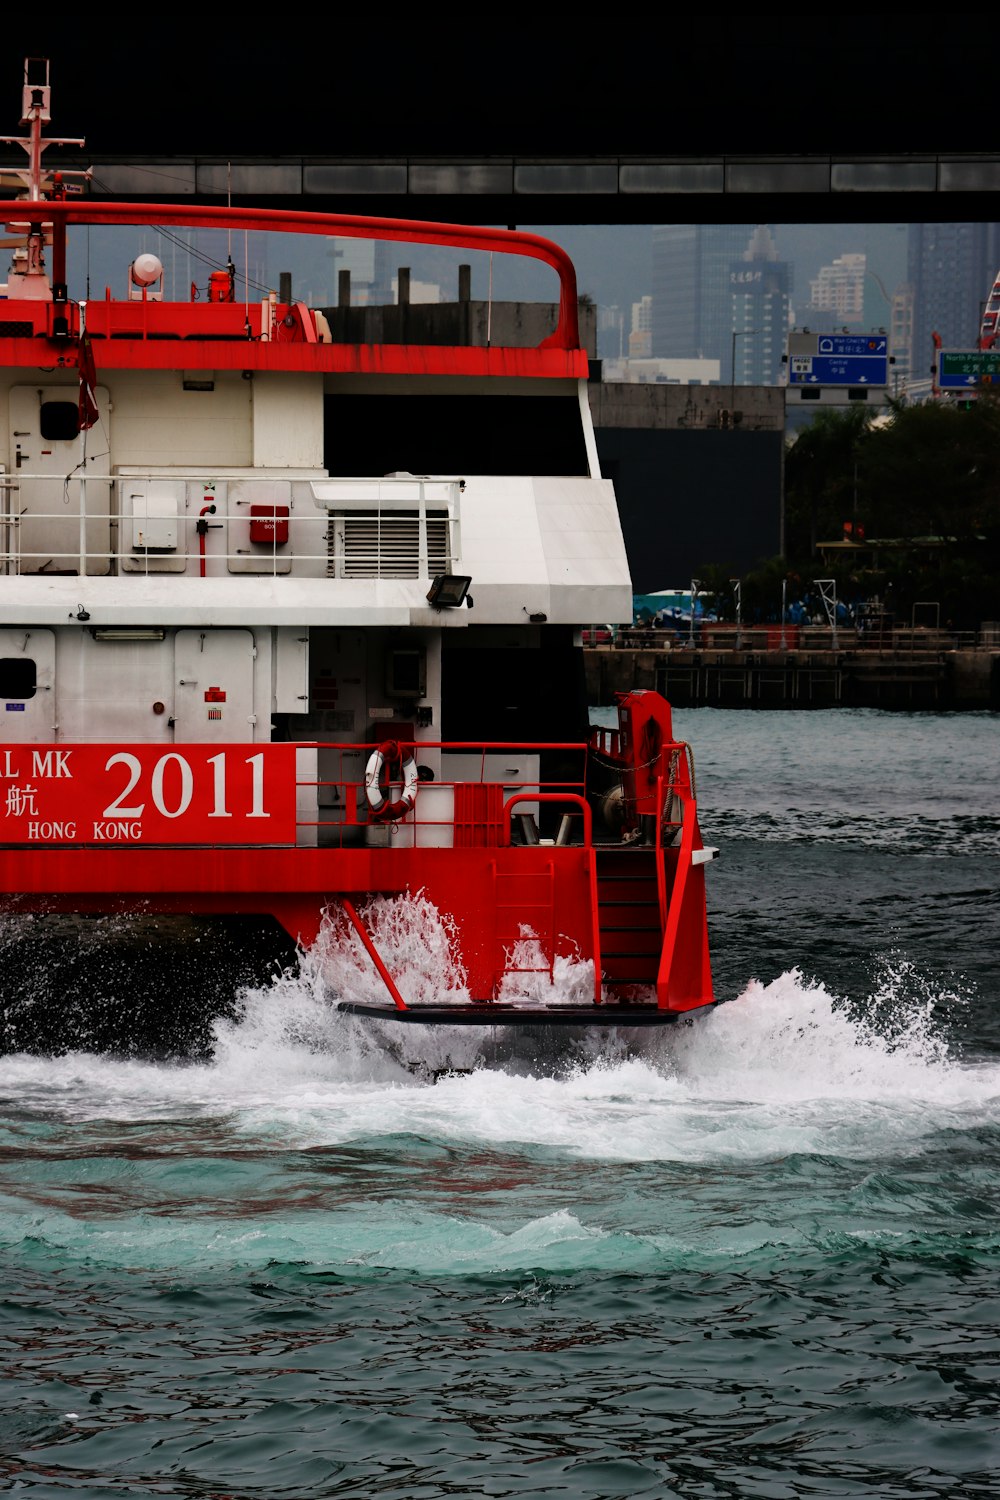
(386, 545)
(438, 554)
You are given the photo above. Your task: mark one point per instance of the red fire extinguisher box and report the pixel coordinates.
(269, 524)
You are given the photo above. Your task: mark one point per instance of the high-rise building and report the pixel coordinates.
(760, 304)
(840, 289)
(901, 340)
(714, 281)
(951, 268)
(692, 301)
(640, 340)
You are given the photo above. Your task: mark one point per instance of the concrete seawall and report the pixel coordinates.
(959, 679)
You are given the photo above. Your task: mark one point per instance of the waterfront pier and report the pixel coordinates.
(775, 667)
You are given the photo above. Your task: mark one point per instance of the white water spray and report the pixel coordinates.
(785, 1067)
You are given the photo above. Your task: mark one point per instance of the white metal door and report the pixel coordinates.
(213, 698)
(48, 474)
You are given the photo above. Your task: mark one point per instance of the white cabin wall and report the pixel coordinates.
(584, 550)
(547, 545)
(287, 420)
(157, 422)
(273, 421)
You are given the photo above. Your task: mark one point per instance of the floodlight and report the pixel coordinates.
(448, 590)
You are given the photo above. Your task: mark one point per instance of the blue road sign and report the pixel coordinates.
(867, 344)
(836, 369)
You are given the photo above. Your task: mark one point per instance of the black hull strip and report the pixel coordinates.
(516, 1015)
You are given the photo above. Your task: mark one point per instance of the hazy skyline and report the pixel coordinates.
(614, 262)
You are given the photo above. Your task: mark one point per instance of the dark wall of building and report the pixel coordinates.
(688, 499)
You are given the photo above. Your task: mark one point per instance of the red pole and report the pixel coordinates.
(206, 510)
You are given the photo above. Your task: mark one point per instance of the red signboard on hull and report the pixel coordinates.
(144, 794)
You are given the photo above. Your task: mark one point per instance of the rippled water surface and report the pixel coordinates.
(753, 1255)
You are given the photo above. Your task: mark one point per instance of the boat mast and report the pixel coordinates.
(36, 185)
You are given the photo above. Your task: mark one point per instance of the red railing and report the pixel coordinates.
(306, 222)
(481, 806)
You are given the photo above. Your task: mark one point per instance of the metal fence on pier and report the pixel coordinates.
(773, 666)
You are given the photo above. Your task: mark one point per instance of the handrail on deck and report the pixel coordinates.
(528, 796)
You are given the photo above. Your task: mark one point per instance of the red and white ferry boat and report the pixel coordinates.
(290, 619)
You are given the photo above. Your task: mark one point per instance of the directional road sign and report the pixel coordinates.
(838, 359)
(871, 345)
(827, 369)
(960, 370)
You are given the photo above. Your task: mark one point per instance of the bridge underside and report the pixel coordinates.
(511, 189)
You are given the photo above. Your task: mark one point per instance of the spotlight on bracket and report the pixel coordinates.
(449, 590)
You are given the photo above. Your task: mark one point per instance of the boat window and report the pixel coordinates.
(406, 674)
(18, 677)
(59, 420)
(492, 691)
(451, 434)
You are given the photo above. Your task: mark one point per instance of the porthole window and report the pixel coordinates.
(18, 677)
(60, 421)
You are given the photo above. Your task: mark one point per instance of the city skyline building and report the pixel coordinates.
(760, 311)
(839, 289)
(692, 302)
(951, 268)
(640, 339)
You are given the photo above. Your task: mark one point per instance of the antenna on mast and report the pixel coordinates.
(27, 273)
(36, 111)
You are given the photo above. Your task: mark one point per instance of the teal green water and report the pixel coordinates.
(755, 1255)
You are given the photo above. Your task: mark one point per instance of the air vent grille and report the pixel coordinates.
(387, 544)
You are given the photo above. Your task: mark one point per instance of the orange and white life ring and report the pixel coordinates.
(379, 775)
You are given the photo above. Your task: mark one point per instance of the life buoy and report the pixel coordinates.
(379, 774)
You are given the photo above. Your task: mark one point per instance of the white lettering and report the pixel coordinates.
(135, 768)
(21, 801)
(218, 764)
(186, 787)
(6, 769)
(110, 832)
(50, 763)
(51, 832)
(257, 764)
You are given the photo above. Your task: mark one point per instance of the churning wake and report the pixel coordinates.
(784, 1122)
(785, 1066)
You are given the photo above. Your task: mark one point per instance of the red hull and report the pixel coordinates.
(492, 893)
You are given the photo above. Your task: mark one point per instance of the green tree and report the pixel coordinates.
(822, 475)
(934, 471)
(925, 479)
